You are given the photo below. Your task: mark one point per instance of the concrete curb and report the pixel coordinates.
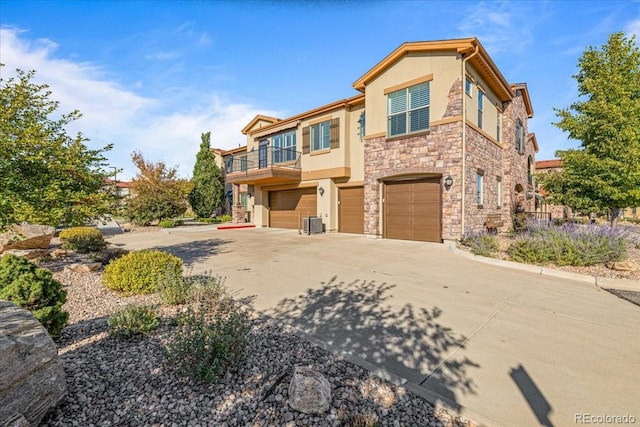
(601, 282)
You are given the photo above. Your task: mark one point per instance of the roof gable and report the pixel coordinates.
(525, 97)
(257, 119)
(469, 48)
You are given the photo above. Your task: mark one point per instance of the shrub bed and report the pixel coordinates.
(82, 239)
(481, 244)
(569, 244)
(34, 289)
(141, 272)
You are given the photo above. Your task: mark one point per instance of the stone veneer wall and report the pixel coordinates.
(434, 153)
(515, 164)
(483, 154)
(238, 210)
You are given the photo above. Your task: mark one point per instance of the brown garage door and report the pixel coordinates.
(351, 210)
(412, 210)
(289, 205)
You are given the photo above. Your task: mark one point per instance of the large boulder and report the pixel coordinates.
(32, 380)
(309, 391)
(26, 236)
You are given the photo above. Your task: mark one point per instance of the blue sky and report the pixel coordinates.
(152, 76)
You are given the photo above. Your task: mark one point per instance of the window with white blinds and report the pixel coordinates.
(408, 110)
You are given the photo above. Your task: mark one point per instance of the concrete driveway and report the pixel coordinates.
(502, 346)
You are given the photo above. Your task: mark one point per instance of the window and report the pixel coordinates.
(530, 168)
(320, 136)
(480, 188)
(284, 147)
(498, 124)
(519, 137)
(499, 191)
(361, 122)
(408, 110)
(468, 88)
(244, 200)
(480, 107)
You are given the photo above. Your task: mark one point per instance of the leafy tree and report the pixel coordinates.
(46, 176)
(157, 193)
(208, 183)
(604, 173)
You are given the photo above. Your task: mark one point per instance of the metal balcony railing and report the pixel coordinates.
(264, 157)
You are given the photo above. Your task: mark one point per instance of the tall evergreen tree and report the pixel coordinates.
(208, 182)
(604, 173)
(46, 176)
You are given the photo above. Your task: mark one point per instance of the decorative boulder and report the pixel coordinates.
(32, 380)
(309, 391)
(621, 266)
(26, 236)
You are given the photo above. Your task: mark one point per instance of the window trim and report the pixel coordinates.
(480, 188)
(481, 96)
(468, 86)
(407, 111)
(519, 136)
(324, 135)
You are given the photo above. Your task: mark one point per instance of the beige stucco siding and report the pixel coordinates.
(355, 154)
(445, 68)
(491, 104)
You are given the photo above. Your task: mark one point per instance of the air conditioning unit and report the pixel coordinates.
(312, 225)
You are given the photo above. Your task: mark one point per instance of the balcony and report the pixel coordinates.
(267, 165)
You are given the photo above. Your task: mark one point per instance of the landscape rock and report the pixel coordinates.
(83, 268)
(27, 253)
(309, 391)
(32, 380)
(621, 266)
(26, 236)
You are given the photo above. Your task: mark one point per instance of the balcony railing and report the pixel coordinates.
(263, 158)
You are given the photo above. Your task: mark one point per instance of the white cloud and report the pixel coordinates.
(113, 114)
(498, 25)
(633, 29)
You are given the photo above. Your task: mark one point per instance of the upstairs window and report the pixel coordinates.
(361, 122)
(480, 107)
(468, 87)
(408, 110)
(321, 136)
(519, 137)
(284, 147)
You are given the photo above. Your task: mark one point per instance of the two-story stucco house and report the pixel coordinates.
(435, 142)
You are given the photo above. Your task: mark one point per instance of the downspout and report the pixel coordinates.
(464, 136)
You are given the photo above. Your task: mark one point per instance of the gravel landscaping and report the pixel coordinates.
(128, 382)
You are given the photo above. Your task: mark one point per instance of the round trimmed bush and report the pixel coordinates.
(141, 272)
(34, 289)
(82, 239)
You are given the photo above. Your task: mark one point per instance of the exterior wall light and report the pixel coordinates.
(448, 182)
(321, 191)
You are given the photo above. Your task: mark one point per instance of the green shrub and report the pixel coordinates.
(212, 337)
(170, 223)
(108, 255)
(82, 239)
(570, 244)
(481, 244)
(34, 289)
(173, 289)
(141, 272)
(133, 320)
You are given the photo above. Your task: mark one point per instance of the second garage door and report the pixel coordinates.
(351, 210)
(289, 205)
(412, 210)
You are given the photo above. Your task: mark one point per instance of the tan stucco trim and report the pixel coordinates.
(320, 120)
(426, 78)
(445, 121)
(259, 133)
(256, 119)
(525, 97)
(350, 184)
(375, 135)
(338, 172)
(343, 103)
(319, 152)
(483, 64)
(484, 133)
(289, 186)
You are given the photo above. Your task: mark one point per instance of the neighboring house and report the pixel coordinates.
(123, 189)
(395, 160)
(222, 157)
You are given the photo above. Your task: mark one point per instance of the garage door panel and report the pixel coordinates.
(412, 210)
(287, 206)
(351, 210)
